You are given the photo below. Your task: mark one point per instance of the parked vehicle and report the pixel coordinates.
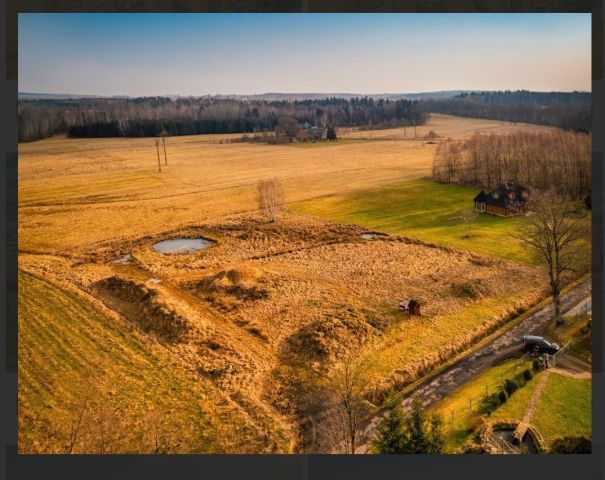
(538, 345)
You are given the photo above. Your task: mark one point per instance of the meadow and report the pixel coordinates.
(244, 320)
(429, 211)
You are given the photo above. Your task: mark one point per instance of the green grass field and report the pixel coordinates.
(462, 411)
(428, 211)
(564, 409)
(69, 351)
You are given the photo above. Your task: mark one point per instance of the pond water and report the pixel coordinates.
(182, 245)
(504, 439)
(371, 235)
(122, 260)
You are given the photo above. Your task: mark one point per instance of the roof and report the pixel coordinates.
(481, 197)
(507, 195)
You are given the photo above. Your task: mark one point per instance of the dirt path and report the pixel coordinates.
(507, 344)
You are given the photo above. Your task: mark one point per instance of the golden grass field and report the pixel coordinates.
(266, 305)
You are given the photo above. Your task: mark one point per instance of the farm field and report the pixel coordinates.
(255, 320)
(429, 211)
(73, 192)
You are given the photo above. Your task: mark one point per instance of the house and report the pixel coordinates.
(410, 306)
(507, 199)
(317, 133)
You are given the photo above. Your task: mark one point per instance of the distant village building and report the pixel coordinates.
(317, 133)
(508, 199)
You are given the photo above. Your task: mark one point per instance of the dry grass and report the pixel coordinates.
(269, 300)
(73, 192)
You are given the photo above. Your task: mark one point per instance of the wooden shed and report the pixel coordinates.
(410, 306)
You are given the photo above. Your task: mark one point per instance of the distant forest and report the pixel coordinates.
(152, 116)
(566, 110)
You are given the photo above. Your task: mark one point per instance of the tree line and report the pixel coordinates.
(556, 160)
(566, 110)
(150, 116)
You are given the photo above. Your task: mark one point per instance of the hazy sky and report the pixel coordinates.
(197, 54)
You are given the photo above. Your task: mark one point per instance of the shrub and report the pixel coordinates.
(538, 364)
(527, 375)
(571, 445)
(510, 386)
(502, 396)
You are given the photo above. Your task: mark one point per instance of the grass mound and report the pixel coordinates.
(336, 334)
(474, 289)
(142, 305)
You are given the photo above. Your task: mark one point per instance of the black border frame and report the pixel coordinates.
(16, 466)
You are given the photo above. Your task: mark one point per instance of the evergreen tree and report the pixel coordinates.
(331, 134)
(390, 432)
(422, 433)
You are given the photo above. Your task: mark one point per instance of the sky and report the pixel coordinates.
(214, 53)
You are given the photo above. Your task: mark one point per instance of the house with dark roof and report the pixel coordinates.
(317, 133)
(507, 199)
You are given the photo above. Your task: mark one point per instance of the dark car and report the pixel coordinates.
(538, 345)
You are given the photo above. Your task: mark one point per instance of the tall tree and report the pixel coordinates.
(348, 380)
(558, 240)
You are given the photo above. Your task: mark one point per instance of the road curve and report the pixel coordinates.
(454, 376)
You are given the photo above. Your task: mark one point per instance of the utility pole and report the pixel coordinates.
(165, 157)
(157, 147)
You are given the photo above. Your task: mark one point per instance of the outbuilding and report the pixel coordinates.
(410, 306)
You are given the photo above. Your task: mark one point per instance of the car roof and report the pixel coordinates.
(532, 337)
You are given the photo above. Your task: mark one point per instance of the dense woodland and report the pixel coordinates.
(566, 110)
(541, 160)
(150, 116)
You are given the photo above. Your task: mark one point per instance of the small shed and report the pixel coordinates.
(410, 306)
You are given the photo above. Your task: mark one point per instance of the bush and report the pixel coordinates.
(527, 375)
(538, 364)
(571, 445)
(502, 396)
(510, 386)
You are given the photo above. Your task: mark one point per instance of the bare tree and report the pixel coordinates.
(557, 239)
(75, 424)
(157, 147)
(270, 198)
(347, 382)
(155, 426)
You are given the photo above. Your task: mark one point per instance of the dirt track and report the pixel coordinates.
(504, 346)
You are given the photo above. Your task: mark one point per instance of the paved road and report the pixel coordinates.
(583, 307)
(505, 345)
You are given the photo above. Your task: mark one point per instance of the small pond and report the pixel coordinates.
(504, 439)
(182, 245)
